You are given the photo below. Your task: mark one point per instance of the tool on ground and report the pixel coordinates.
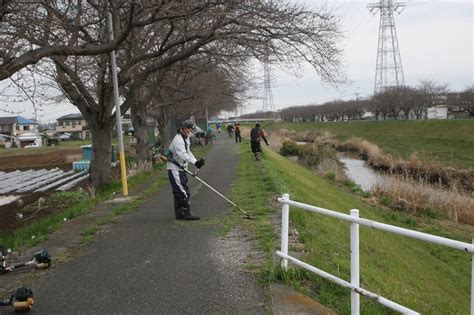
(21, 299)
(167, 156)
(40, 260)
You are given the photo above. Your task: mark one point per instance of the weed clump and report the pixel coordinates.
(313, 154)
(422, 199)
(310, 154)
(330, 175)
(289, 147)
(66, 199)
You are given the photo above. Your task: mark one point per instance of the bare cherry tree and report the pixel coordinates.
(33, 30)
(74, 36)
(192, 89)
(433, 92)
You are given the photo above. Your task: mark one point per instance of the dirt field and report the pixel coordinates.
(58, 158)
(61, 158)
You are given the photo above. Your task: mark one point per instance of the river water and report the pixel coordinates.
(358, 171)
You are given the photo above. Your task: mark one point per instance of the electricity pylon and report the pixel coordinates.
(268, 104)
(389, 71)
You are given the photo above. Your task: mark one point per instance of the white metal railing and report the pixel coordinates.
(353, 285)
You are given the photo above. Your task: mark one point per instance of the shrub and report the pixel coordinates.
(386, 200)
(314, 154)
(330, 175)
(65, 199)
(289, 147)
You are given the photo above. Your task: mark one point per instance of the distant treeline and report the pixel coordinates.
(394, 103)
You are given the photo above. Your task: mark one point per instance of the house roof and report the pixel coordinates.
(15, 119)
(7, 120)
(71, 117)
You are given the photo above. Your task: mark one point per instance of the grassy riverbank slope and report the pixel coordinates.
(425, 277)
(444, 142)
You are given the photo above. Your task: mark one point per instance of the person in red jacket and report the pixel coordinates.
(255, 135)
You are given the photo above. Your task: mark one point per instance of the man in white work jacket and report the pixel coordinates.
(180, 149)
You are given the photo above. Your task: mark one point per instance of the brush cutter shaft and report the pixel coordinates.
(213, 189)
(40, 260)
(164, 158)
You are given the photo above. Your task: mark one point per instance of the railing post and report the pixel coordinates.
(285, 216)
(472, 282)
(355, 277)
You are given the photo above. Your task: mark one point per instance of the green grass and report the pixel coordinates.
(445, 142)
(252, 193)
(428, 278)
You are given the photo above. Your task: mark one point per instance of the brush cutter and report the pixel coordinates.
(40, 260)
(21, 299)
(169, 158)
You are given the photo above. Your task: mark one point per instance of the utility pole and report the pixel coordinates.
(118, 115)
(389, 71)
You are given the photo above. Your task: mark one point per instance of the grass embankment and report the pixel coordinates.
(443, 142)
(425, 277)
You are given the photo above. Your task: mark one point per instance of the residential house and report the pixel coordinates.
(460, 105)
(75, 125)
(437, 112)
(19, 130)
(127, 125)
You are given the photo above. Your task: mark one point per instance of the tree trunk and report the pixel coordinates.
(101, 172)
(407, 114)
(139, 122)
(164, 125)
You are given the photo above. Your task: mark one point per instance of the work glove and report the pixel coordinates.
(199, 163)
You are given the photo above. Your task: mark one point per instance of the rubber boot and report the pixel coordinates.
(178, 210)
(187, 214)
(257, 156)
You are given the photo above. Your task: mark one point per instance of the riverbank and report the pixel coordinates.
(448, 143)
(417, 189)
(425, 277)
(413, 168)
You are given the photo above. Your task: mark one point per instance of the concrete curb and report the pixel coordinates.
(287, 301)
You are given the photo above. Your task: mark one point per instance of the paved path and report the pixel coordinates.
(148, 263)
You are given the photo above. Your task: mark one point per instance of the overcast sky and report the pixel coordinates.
(435, 39)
